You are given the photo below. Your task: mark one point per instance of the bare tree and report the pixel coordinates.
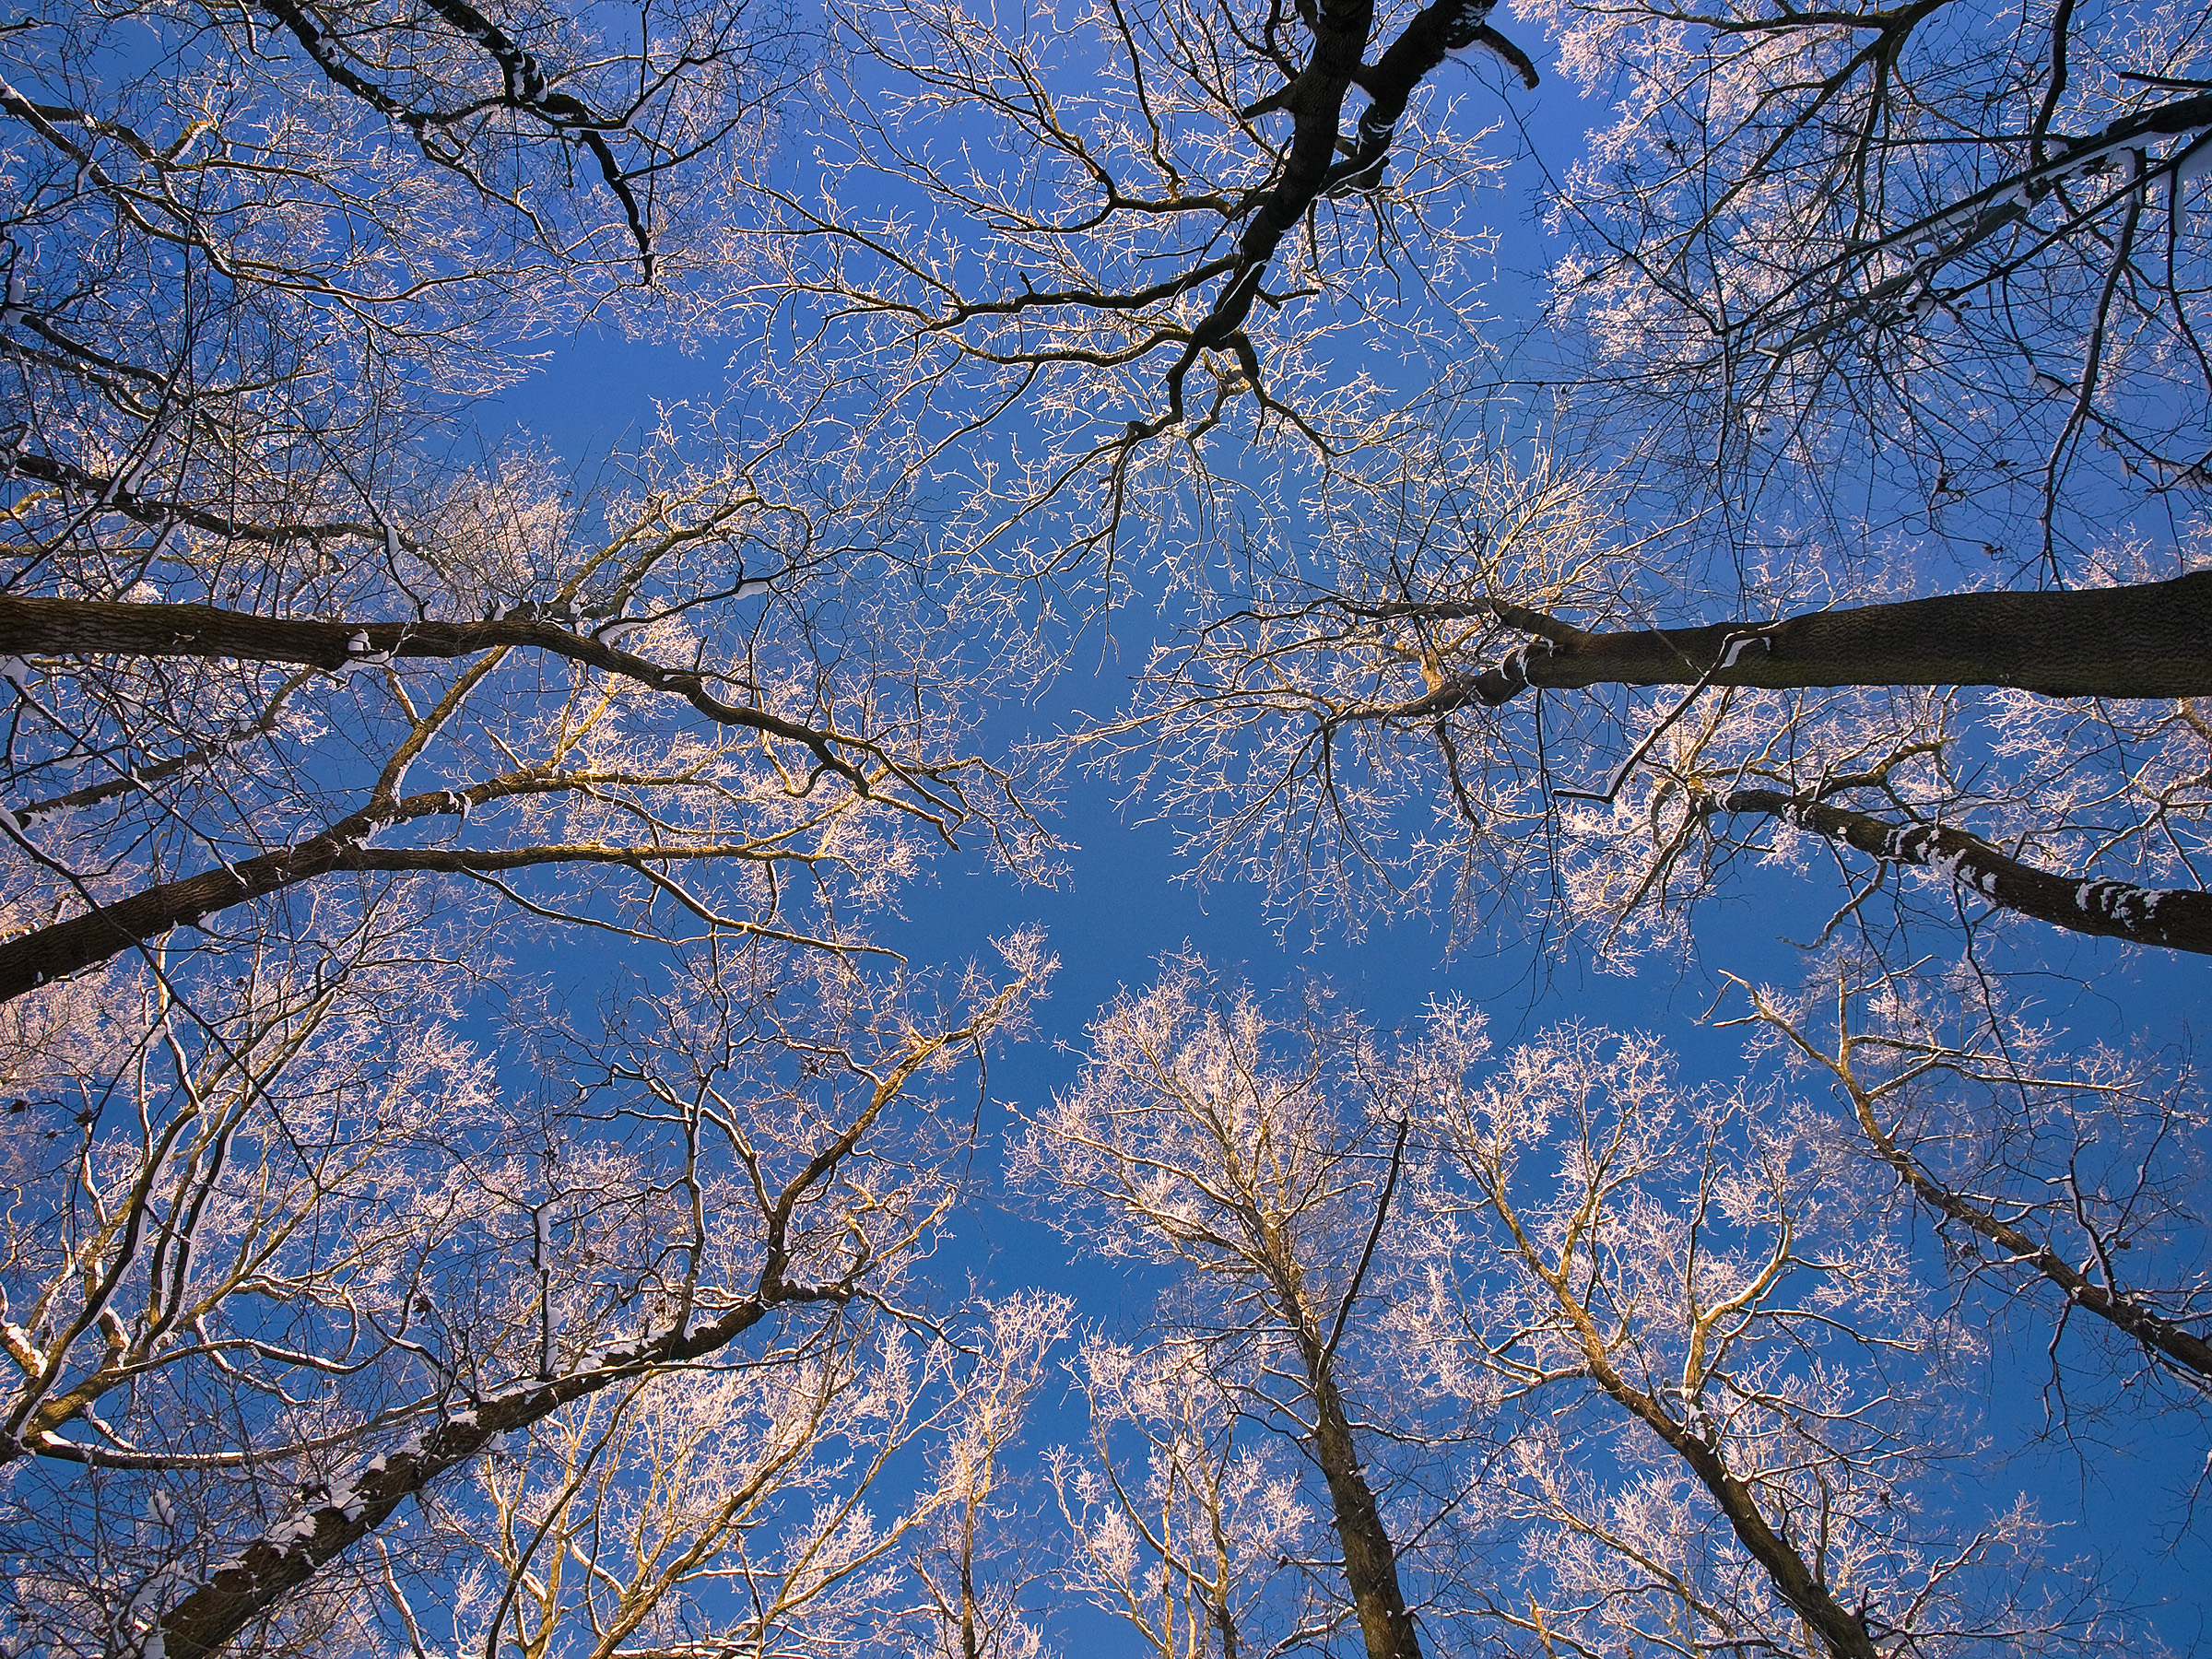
(293, 688)
(274, 1302)
(1665, 1364)
(1872, 265)
(1844, 297)
(1409, 702)
(169, 761)
(975, 1553)
(2044, 1171)
(220, 208)
(1752, 1380)
(254, 260)
(1202, 1133)
(736, 1508)
(1142, 220)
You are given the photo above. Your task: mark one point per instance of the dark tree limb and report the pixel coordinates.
(45, 954)
(1370, 1559)
(82, 627)
(251, 1583)
(1314, 100)
(1435, 31)
(2150, 639)
(1840, 1631)
(2178, 919)
(526, 90)
(1370, 1562)
(111, 494)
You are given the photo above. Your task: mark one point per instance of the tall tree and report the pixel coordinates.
(659, 711)
(1644, 1362)
(1146, 222)
(1194, 1535)
(1200, 1132)
(1919, 266)
(255, 261)
(311, 722)
(1802, 332)
(1697, 1279)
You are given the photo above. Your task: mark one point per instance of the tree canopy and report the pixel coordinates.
(489, 1142)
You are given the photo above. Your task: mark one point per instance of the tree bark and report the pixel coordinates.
(1370, 1559)
(84, 627)
(46, 954)
(1370, 1562)
(2179, 1346)
(1315, 103)
(254, 1581)
(2178, 919)
(2150, 640)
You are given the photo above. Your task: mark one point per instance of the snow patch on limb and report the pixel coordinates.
(2178, 919)
(19, 1346)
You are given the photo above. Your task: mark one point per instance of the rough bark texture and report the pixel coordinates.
(77, 630)
(2178, 919)
(1370, 1563)
(1371, 1560)
(2151, 640)
(1315, 103)
(254, 1581)
(1436, 30)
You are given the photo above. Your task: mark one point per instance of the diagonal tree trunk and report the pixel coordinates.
(2179, 919)
(47, 954)
(1370, 1561)
(266, 1569)
(2165, 1339)
(1841, 1632)
(253, 1581)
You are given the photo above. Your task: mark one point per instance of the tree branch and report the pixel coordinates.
(2178, 919)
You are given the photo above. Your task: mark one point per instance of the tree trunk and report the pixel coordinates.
(1370, 1563)
(2151, 640)
(2180, 1346)
(251, 1583)
(46, 954)
(266, 1569)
